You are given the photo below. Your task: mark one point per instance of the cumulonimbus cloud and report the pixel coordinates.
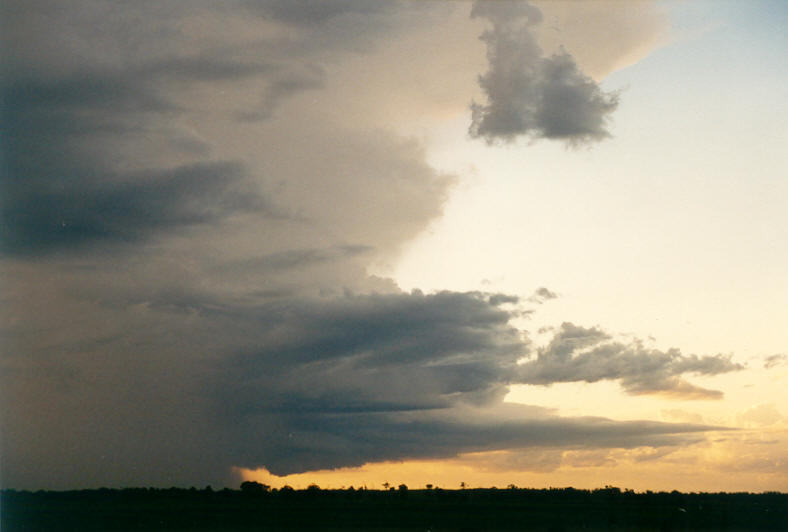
(530, 94)
(185, 268)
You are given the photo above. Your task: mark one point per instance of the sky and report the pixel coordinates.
(354, 243)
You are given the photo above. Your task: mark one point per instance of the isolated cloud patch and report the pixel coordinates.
(773, 361)
(542, 295)
(578, 354)
(528, 93)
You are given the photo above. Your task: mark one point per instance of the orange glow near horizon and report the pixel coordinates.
(705, 467)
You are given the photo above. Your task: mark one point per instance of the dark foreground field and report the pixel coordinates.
(255, 508)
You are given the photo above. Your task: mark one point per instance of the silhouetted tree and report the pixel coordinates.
(250, 486)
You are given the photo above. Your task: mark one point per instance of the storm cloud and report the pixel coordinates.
(369, 378)
(71, 211)
(530, 94)
(72, 175)
(291, 385)
(187, 236)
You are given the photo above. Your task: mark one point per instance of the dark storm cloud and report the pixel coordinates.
(79, 208)
(59, 189)
(113, 91)
(312, 443)
(528, 93)
(84, 91)
(230, 382)
(205, 384)
(59, 186)
(386, 330)
(65, 177)
(579, 354)
(52, 123)
(363, 378)
(345, 381)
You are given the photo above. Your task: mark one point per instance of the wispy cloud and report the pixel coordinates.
(773, 361)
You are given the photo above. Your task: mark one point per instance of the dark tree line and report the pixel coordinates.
(256, 506)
